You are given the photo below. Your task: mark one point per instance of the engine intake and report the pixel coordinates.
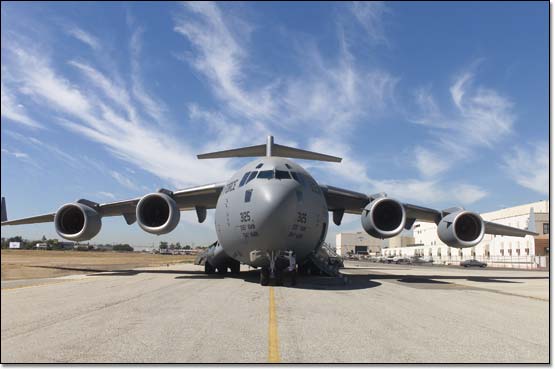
(383, 218)
(77, 222)
(461, 229)
(157, 213)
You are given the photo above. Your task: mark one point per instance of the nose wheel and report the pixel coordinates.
(275, 272)
(264, 276)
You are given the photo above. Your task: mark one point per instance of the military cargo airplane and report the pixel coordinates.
(270, 210)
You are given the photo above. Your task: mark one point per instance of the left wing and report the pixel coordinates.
(205, 196)
(342, 201)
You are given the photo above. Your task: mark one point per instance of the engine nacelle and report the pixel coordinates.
(157, 213)
(77, 222)
(383, 218)
(461, 229)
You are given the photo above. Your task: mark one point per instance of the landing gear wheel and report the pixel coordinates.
(293, 278)
(222, 270)
(279, 278)
(208, 268)
(264, 276)
(235, 267)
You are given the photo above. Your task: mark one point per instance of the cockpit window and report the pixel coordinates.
(244, 179)
(251, 176)
(259, 165)
(266, 174)
(298, 177)
(282, 175)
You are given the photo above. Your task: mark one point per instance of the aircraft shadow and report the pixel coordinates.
(355, 279)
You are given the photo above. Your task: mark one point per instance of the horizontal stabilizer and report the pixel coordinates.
(270, 150)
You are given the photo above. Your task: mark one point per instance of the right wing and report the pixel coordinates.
(205, 196)
(347, 201)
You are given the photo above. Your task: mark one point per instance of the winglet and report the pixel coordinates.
(4, 213)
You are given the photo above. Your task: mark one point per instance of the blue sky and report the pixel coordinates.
(438, 104)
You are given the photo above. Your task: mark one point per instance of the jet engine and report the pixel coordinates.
(157, 213)
(461, 229)
(77, 222)
(383, 218)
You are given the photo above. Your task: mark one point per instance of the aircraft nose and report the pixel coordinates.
(276, 212)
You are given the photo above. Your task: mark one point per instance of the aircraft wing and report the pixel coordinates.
(205, 196)
(348, 201)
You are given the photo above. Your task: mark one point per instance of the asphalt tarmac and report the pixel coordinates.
(383, 314)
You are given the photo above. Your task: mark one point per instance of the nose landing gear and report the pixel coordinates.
(278, 265)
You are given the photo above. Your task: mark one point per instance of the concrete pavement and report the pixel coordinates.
(178, 314)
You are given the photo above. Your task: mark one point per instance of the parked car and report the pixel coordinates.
(389, 259)
(402, 260)
(473, 263)
(418, 260)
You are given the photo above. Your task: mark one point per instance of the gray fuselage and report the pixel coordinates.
(271, 205)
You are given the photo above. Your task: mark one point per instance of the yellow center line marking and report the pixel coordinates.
(273, 341)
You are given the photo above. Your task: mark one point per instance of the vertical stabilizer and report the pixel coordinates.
(269, 145)
(4, 214)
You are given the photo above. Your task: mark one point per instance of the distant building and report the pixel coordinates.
(400, 241)
(363, 244)
(41, 245)
(357, 243)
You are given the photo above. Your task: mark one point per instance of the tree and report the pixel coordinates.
(178, 245)
(123, 248)
(163, 245)
(43, 238)
(187, 247)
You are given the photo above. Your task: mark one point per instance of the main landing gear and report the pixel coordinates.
(233, 266)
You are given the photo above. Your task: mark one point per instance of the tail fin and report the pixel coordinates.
(270, 150)
(4, 214)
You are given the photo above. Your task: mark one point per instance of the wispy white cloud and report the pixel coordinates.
(21, 156)
(221, 58)
(529, 166)
(430, 192)
(93, 114)
(370, 15)
(155, 108)
(106, 195)
(84, 37)
(16, 154)
(429, 163)
(47, 148)
(14, 111)
(482, 119)
(124, 180)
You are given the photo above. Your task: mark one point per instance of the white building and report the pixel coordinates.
(357, 243)
(364, 244)
(491, 248)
